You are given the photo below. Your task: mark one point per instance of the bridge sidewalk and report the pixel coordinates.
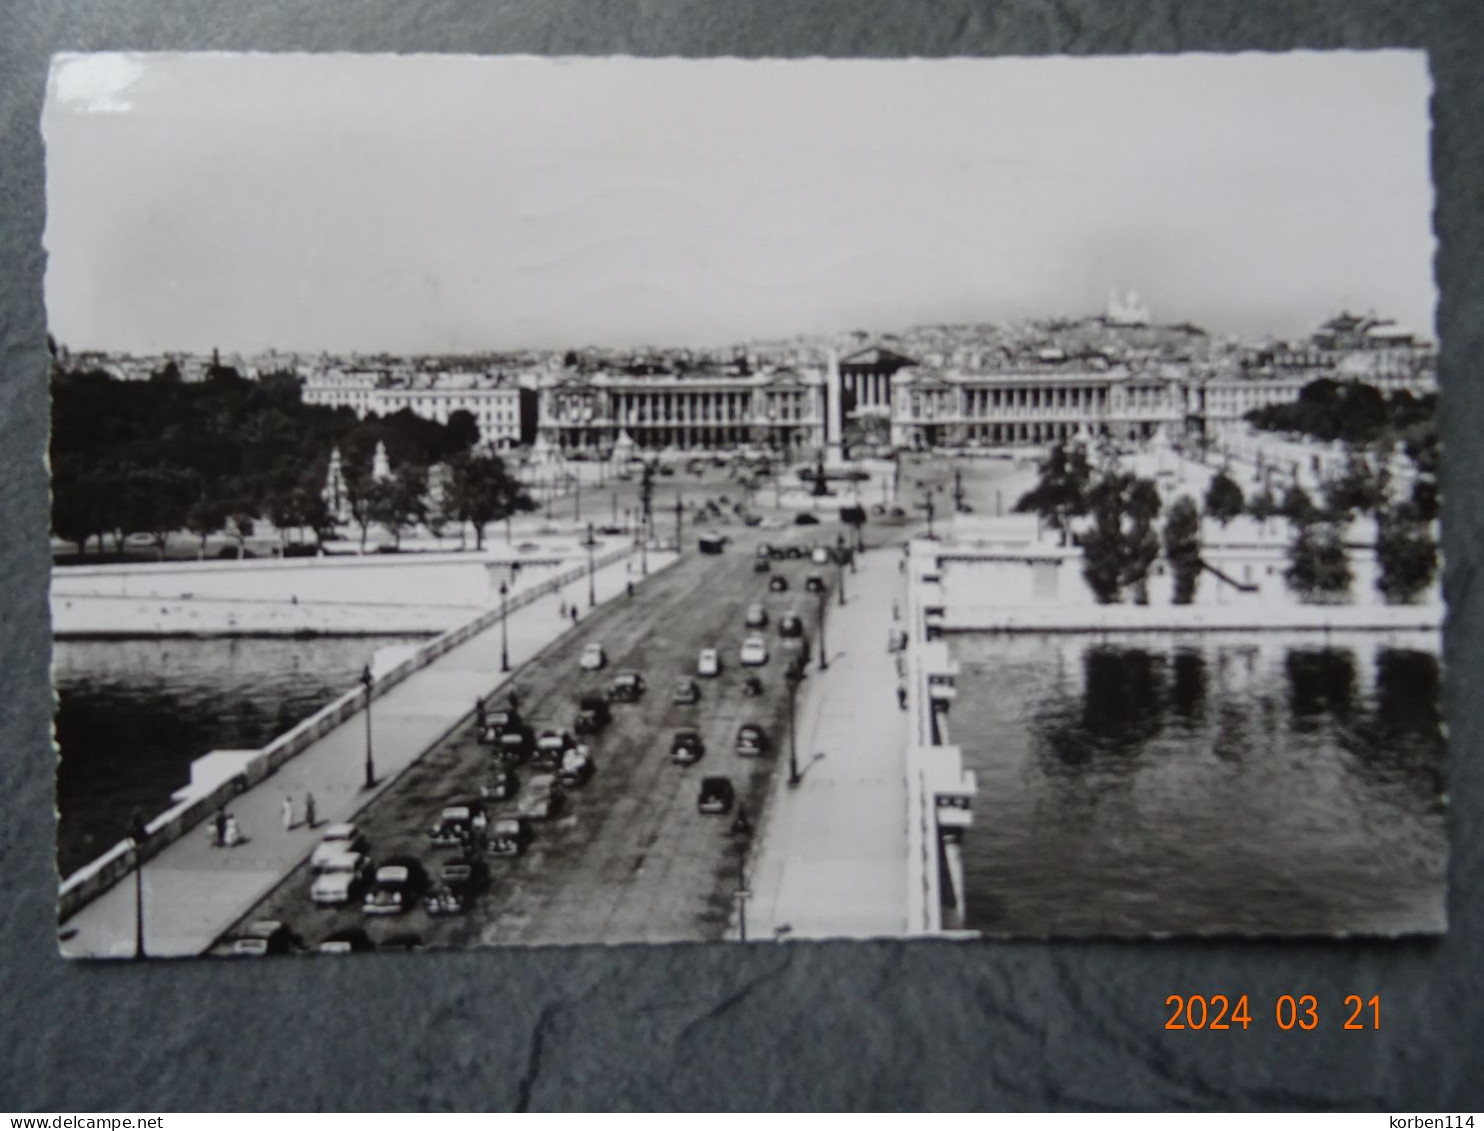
(831, 858)
(193, 892)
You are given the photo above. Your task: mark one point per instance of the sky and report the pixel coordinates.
(429, 204)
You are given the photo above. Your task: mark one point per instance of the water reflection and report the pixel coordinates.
(1214, 784)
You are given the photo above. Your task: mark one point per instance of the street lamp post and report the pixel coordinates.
(504, 630)
(367, 681)
(840, 567)
(137, 834)
(824, 659)
(592, 593)
(643, 550)
(792, 677)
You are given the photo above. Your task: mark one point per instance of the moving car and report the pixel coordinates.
(501, 785)
(761, 565)
(543, 798)
(778, 584)
(592, 714)
(708, 663)
(716, 796)
(593, 658)
(752, 740)
(820, 556)
(711, 543)
(627, 687)
(804, 518)
(340, 879)
(686, 692)
(508, 837)
(754, 652)
(398, 884)
(497, 723)
(757, 616)
(577, 767)
(790, 626)
(814, 583)
(458, 825)
(687, 747)
(266, 936)
(338, 840)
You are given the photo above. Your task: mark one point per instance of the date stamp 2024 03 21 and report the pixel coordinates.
(1220, 1011)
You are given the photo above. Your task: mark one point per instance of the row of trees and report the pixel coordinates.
(159, 456)
(1121, 537)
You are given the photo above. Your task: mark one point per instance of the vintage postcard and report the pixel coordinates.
(508, 501)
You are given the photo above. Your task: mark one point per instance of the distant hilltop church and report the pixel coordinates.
(1126, 310)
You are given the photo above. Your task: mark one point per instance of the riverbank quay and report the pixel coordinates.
(831, 858)
(192, 892)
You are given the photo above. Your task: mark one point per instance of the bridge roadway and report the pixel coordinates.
(631, 859)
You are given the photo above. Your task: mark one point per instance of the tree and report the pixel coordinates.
(398, 503)
(461, 432)
(206, 516)
(1263, 506)
(1318, 564)
(1062, 491)
(81, 494)
(1224, 499)
(1297, 505)
(480, 491)
(1358, 489)
(1121, 544)
(1406, 555)
(1182, 538)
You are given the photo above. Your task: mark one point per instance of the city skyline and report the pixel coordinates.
(699, 203)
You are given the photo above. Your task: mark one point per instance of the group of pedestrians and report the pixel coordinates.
(310, 817)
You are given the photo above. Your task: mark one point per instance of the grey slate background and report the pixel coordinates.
(935, 1025)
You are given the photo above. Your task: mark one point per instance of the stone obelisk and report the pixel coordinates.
(834, 413)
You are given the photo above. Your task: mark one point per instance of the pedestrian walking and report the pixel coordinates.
(630, 588)
(309, 817)
(896, 611)
(562, 609)
(221, 827)
(232, 833)
(288, 813)
(901, 696)
(574, 614)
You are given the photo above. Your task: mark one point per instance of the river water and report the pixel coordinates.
(1141, 784)
(134, 714)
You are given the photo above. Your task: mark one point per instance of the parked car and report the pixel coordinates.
(814, 583)
(459, 881)
(708, 663)
(790, 626)
(340, 879)
(627, 687)
(717, 795)
(757, 616)
(543, 798)
(593, 658)
(687, 747)
(551, 746)
(778, 584)
(514, 745)
(577, 767)
(397, 887)
(752, 740)
(497, 723)
(804, 518)
(764, 550)
(508, 837)
(337, 841)
(686, 692)
(458, 825)
(793, 553)
(754, 652)
(820, 556)
(501, 785)
(266, 936)
(592, 714)
(345, 941)
(711, 543)
(761, 565)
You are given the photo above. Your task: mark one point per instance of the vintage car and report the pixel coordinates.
(496, 723)
(814, 583)
(458, 825)
(778, 584)
(717, 795)
(686, 692)
(265, 936)
(757, 616)
(514, 746)
(687, 747)
(593, 658)
(592, 714)
(508, 836)
(459, 881)
(340, 879)
(708, 663)
(397, 886)
(551, 746)
(577, 767)
(761, 565)
(791, 626)
(752, 740)
(754, 652)
(346, 941)
(627, 687)
(338, 840)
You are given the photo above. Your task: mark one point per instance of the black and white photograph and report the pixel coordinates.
(504, 501)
